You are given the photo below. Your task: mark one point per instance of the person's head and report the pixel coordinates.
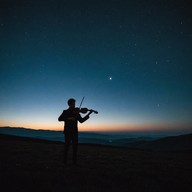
(71, 103)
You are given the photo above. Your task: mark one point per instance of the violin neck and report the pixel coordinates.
(93, 111)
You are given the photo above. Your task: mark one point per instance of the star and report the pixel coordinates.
(110, 78)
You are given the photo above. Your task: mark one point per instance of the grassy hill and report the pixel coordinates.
(36, 165)
(171, 143)
(181, 142)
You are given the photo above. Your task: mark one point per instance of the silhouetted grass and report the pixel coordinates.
(35, 165)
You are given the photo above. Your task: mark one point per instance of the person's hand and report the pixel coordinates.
(90, 112)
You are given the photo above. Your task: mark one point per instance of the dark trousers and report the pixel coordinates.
(71, 137)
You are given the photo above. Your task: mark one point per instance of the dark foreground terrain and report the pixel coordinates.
(36, 165)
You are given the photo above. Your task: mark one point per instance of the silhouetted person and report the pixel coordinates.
(71, 117)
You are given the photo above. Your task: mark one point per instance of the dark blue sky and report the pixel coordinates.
(130, 59)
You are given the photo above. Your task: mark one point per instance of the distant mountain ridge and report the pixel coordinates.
(181, 142)
(84, 137)
(26, 132)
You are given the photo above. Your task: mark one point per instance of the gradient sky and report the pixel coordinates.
(130, 59)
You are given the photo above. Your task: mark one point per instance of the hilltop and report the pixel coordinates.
(171, 143)
(36, 165)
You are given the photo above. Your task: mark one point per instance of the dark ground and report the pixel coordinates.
(35, 165)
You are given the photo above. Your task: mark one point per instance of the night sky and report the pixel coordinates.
(130, 59)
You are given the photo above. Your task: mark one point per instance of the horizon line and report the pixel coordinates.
(108, 131)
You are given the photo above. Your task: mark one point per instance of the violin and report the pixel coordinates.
(84, 110)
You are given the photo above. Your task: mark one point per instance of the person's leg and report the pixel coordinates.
(66, 148)
(75, 147)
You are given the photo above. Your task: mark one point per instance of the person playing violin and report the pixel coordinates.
(71, 116)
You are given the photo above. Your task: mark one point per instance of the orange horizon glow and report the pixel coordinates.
(104, 127)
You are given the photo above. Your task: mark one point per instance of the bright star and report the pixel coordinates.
(110, 78)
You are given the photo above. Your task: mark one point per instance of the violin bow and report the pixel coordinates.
(81, 102)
